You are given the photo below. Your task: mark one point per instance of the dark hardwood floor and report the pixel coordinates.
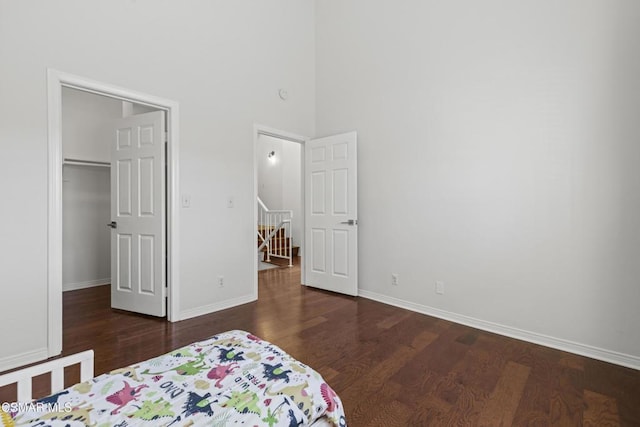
(391, 367)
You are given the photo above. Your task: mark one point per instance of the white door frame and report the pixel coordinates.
(288, 136)
(56, 80)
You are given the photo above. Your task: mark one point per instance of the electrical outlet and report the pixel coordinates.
(395, 279)
(439, 287)
(221, 281)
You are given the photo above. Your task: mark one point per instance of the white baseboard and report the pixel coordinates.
(212, 308)
(26, 358)
(83, 285)
(548, 341)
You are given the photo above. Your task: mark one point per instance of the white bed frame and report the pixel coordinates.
(23, 377)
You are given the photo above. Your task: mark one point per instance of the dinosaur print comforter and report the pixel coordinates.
(233, 378)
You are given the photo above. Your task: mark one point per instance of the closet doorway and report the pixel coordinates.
(87, 137)
(79, 111)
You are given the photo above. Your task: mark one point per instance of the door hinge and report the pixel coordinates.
(166, 291)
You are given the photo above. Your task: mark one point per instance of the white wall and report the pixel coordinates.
(131, 109)
(279, 179)
(498, 152)
(86, 244)
(270, 171)
(86, 124)
(222, 61)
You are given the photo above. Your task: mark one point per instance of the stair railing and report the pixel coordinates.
(274, 232)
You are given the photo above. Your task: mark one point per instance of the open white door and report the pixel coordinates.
(331, 214)
(138, 273)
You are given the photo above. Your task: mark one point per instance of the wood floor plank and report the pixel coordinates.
(567, 399)
(479, 369)
(534, 405)
(618, 382)
(375, 377)
(423, 339)
(327, 373)
(466, 411)
(430, 411)
(601, 410)
(503, 402)
(534, 408)
(390, 321)
(391, 414)
(439, 357)
(360, 411)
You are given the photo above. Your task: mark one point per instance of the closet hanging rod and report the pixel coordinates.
(85, 162)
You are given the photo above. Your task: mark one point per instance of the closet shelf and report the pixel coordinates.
(78, 162)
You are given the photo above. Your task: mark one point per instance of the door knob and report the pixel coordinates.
(113, 224)
(350, 222)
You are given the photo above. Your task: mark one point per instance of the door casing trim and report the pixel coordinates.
(288, 136)
(56, 80)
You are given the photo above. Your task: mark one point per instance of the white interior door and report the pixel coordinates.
(138, 273)
(331, 213)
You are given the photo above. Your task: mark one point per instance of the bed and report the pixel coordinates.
(233, 378)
